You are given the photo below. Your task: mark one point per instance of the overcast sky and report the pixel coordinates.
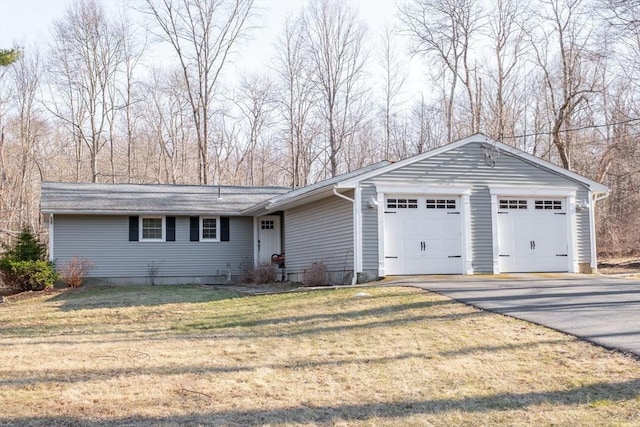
(23, 22)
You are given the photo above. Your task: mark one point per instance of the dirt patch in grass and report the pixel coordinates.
(367, 356)
(620, 265)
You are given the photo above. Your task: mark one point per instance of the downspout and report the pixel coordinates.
(51, 255)
(592, 222)
(356, 252)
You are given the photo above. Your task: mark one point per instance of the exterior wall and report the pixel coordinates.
(584, 233)
(369, 231)
(105, 241)
(467, 165)
(320, 231)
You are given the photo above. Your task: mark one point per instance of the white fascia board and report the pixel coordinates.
(129, 213)
(302, 199)
(257, 210)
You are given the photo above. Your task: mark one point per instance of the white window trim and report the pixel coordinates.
(217, 239)
(164, 228)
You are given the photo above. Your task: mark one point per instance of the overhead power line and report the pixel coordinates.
(623, 122)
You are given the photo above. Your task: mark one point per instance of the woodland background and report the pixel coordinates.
(558, 79)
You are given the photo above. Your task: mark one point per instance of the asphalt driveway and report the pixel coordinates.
(601, 309)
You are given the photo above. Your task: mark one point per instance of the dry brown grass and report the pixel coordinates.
(194, 355)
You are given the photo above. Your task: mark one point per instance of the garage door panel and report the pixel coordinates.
(423, 235)
(532, 235)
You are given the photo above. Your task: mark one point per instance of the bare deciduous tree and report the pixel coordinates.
(336, 48)
(256, 104)
(507, 31)
(444, 30)
(571, 76)
(297, 100)
(202, 33)
(86, 54)
(394, 78)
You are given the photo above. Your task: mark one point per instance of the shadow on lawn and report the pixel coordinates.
(111, 365)
(385, 310)
(62, 376)
(592, 394)
(96, 297)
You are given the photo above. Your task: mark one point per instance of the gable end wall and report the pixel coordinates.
(467, 166)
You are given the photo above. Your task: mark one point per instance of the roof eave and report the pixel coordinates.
(317, 194)
(136, 212)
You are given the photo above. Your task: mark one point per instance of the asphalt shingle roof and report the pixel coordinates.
(79, 198)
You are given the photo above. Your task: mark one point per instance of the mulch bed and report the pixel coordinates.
(619, 266)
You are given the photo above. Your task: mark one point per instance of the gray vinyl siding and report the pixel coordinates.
(320, 231)
(105, 241)
(466, 165)
(584, 233)
(369, 232)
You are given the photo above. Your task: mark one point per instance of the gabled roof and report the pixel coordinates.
(594, 186)
(320, 189)
(352, 179)
(123, 199)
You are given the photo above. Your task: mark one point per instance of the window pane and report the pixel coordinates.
(209, 228)
(152, 228)
(512, 204)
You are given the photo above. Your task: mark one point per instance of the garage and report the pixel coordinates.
(422, 234)
(532, 235)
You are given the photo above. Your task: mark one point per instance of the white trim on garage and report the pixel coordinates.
(592, 232)
(418, 190)
(568, 194)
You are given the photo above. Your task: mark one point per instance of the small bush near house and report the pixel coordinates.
(28, 275)
(22, 268)
(27, 247)
(265, 273)
(75, 270)
(258, 274)
(316, 275)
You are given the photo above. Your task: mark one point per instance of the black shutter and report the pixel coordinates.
(194, 228)
(134, 224)
(224, 228)
(171, 229)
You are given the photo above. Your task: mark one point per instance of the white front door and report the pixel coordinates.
(268, 238)
(422, 234)
(532, 235)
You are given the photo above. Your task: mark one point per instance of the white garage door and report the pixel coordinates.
(532, 235)
(422, 235)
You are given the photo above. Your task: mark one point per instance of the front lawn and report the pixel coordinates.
(169, 355)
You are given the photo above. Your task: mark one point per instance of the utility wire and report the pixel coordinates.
(573, 129)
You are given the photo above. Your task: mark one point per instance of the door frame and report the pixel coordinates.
(568, 194)
(421, 190)
(256, 233)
